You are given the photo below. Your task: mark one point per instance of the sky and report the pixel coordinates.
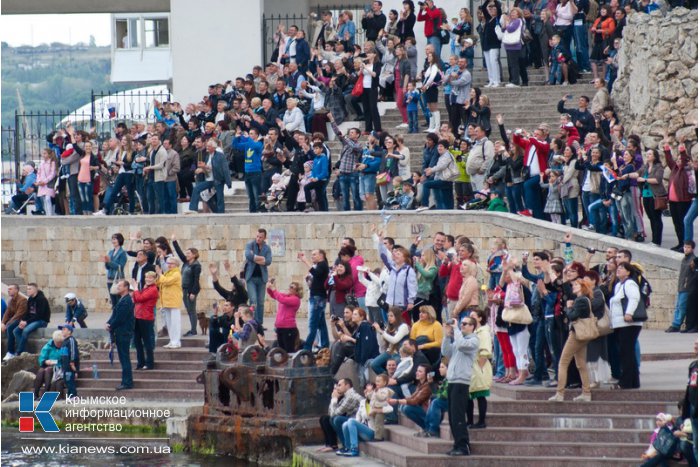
(19, 30)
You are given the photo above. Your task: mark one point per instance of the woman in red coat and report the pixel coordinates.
(144, 306)
(681, 187)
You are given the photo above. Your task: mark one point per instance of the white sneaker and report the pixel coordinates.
(403, 125)
(168, 346)
(175, 346)
(565, 83)
(8, 356)
(490, 85)
(511, 85)
(101, 212)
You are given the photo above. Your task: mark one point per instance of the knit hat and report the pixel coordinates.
(308, 164)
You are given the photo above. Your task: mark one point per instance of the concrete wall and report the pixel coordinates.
(63, 254)
(213, 41)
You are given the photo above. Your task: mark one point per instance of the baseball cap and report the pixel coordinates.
(67, 326)
(70, 296)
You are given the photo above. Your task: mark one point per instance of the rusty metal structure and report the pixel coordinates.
(260, 404)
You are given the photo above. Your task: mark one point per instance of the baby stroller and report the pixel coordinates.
(121, 205)
(272, 200)
(480, 201)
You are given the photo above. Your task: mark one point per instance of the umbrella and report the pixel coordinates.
(111, 350)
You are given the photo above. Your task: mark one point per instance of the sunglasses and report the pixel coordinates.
(466, 323)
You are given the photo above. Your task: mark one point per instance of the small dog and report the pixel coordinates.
(203, 322)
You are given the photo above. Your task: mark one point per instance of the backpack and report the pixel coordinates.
(665, 443)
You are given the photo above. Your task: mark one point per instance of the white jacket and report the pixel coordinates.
(373, 285)
(628, 289)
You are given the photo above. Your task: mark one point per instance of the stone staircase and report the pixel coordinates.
(9, 277)
(524, 107)
(172, 379)
(526, 430)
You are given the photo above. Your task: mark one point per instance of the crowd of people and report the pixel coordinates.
(270, 128)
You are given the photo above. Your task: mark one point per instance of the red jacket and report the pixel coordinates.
(430, 16)
(678, 180)
(455, 281)
(540, 147)
(145, 302)
(342, 285)
(287, 308)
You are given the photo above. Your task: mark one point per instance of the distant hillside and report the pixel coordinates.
(53, 77)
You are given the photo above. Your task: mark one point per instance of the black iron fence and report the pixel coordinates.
(270, 24)
(109, 108)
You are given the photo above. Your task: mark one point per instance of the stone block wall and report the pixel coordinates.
(63, 254)
(657, 85)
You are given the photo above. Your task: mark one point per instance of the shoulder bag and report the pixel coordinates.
(586, 329)
(357, 89)
(605, 323)
(517, 311)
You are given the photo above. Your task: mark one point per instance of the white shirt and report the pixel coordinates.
(210, 173)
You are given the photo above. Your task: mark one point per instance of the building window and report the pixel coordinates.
(156, 32)
(128, 33)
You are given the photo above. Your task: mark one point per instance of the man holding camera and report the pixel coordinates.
(433, 20)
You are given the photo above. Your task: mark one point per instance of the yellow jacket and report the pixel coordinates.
(432, 331)
(170, 287)
(482, 376)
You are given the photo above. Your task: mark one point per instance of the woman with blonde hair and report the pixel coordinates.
(46, 181)
(427, 332)
(170, 299)
(513, 31)
(579, 308)
(482, 372)
(426, 270)
(469, 291)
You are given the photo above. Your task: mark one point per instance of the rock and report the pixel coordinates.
(22, 381)
(11, 398)
(27, 362)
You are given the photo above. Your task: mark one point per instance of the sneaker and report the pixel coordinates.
(511, 85)
(189, 333)
(690, 331)
(422, 434)
(463, 207)
(8, 356)
(422, 208)
(525, 212)
(582, 398)
(556, 398)
(550, 384)
(309, 209)
(673, 329)
(565, 83)
(589, 228)
(403, 125)
(352, 453)
(533, 382)
(341, 452)
(175, 346)
(101, 212)
(168, 346)
(478, 426)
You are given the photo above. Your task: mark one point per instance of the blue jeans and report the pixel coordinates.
(337, 423)
(555, 73)
(170, 198)
(317, 322)
(413, 121)
(353, 431)
(443, 194)
(437, 45)
(538, 339)
(498, 359)
(681, 309)
(433, 418)
(123, 180)
(69, 379)
(690, 216)
(256, 293)
(626, 207)
(123, 341)
(85, 196)
(253, 182)
(515, 197)
(21, 335)
(551, 342)
(533, 197)
(151, 197)
(581, 44)
(140, 189)
(368, 184)
(203, 186)
(415, 413)
(159, 189)
(379, 363)
(588, 198)
(571, 207)
(350, 181)
(598, 213)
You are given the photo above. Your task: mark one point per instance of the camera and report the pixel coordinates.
(459, 158)
(451, 321)
(590, 250)
(335, 318)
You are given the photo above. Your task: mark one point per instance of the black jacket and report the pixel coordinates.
(318, 274)
(237, 296)
(122, 320)
(38, 309)
(146, 268)
(373, 25)
(418, 358)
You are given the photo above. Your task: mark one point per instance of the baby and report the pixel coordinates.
(304, 179)
(379, 405)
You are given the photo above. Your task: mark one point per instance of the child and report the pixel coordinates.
(553, 206)
(468, 53)
(392, 197)
(496, 260)
(663, 420)
(379, 404)
(417, 184)
(304, 179)
(275, 192)
(370, 279)
(496, 203)
(463, 184)
(557, 62)
(70, 359)
(412, 97)
(406, 198)
(454, 39)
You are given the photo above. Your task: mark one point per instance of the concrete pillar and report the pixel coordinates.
(213, 41)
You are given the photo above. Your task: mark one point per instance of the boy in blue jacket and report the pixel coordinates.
(252, 147)
(319, 179)
(70, 359)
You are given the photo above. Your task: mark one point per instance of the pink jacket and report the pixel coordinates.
(287, 308)
(46, 173)
(360, 290)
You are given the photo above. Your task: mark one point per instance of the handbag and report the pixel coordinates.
(586, 329)
(605, 323)
(660, 203)
(383, 178)
(665, 443)
(640, 313)
(357, 89)
(381, 302)
(519, 314)
(114, 288)
(350, 298)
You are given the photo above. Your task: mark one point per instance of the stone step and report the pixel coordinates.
(182, 354)
(160, 365)
(163, 375)
(174, 395)
(403, 436)
(107, 383)
(579, 408)
(628, 395)
(186, 342)
(556, 420)
(400, 456)
(18, 281)
(578, 435)
(6, 274)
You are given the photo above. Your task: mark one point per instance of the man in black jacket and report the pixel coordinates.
(121, 326)
(37, 316)
(373, 21)
(141, 267)
(220, 326)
